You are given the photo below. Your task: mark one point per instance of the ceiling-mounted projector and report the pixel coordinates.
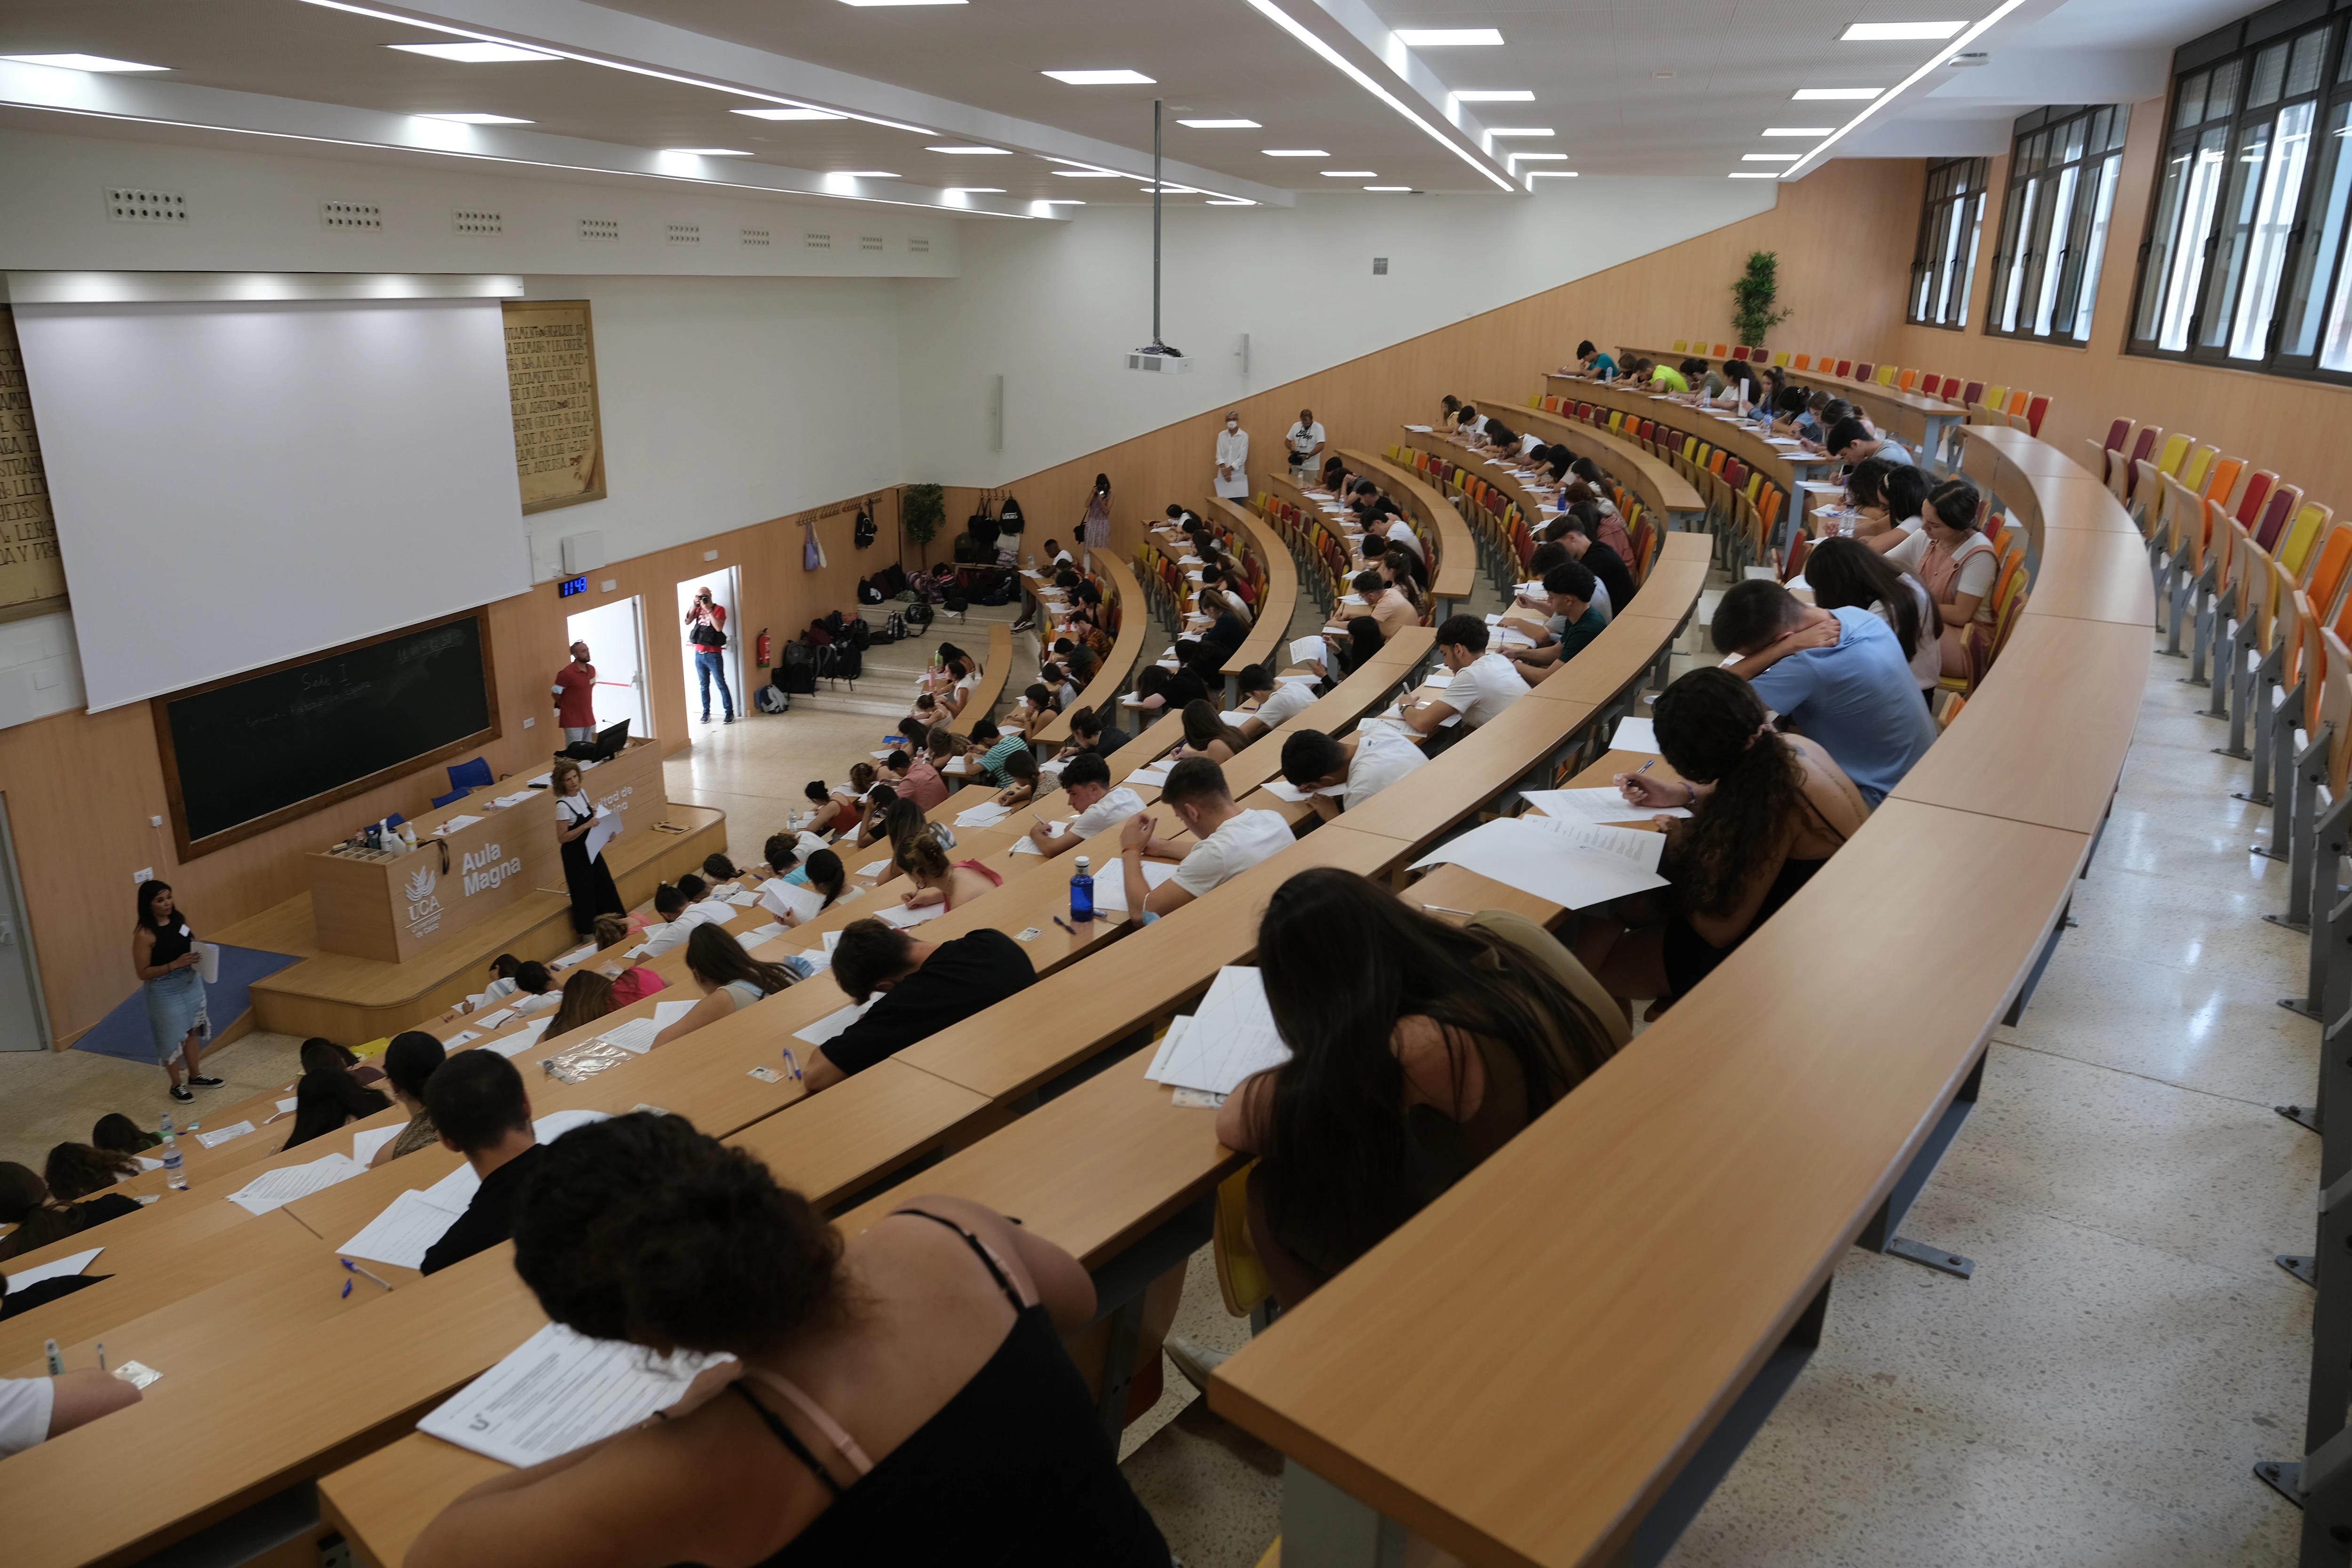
(1161, 360)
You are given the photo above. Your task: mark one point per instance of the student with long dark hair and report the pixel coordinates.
(1847, 573)
(939, 880)
(41, 1217)
(900, 1395)
(409, 1063)
(1206, 734)
(1418, 1049)
(729, 980)
(587, 996)
(585, 875)
(76, 1169)
(1958, 564)
(327, 1100)
(163, 956)
(1766, 809)
(118, 1132)
(1094, 527)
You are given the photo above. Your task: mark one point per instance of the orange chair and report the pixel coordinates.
(1803, 361)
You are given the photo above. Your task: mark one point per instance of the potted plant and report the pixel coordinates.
(1753, 297)
(922, 512)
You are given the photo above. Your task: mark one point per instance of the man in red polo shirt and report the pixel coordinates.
(575, 696)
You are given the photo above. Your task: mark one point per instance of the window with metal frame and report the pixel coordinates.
(2063, 168)
(2243, 261)
(1943, 266)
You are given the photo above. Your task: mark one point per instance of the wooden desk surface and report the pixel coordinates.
(1736, 437)
(1889, 407)
(1496, 472)
(2085, 574)
(2025, 453)
(1112, 676)
(1662, 490)
(1456, 570)
(1270, 626)
(1771, 1118)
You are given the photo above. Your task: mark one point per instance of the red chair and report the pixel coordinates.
(1845, 365)
(2258, 489)
(2034, 409)
(1973, 394)
(1861, 372)
(1739, 350)
(2115, 434)
(2285, 500)
(1799, 548)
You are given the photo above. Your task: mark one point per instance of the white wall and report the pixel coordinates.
(1055, 309)
(727, 401)
(40, 667)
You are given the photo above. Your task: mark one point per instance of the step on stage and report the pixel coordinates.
(353, 1000)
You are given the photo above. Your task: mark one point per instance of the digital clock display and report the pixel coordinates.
(572, 585)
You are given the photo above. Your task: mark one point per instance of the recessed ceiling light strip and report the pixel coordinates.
(610, 64)
(1959, 42)
(1297, 30)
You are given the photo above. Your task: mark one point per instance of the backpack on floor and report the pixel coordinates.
(797, 672)
(848, 662)
(861, 636)
(771, 698)
(894, 628)
(918, 615)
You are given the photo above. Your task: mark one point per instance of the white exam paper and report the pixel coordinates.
(1634, 735)
(561, 1391)
(1232, 1036)
(1605, 803)
(902, 917)
(220, 1135)
(1110, 885)
(783, 897)
(56, 1268)
(831, 1023)
(409, 1225)
(368, 1141)
(275, 1189)
(1572, 864)
(669, 1012)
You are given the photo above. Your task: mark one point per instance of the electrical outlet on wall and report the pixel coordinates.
(144, 874)
(529, 722)
(154, 822)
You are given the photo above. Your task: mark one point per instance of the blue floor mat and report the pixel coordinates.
(123, 1033)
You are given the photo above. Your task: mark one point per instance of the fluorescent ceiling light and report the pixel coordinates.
(1549, 175)
(903, 2)
(975, 190)
(1935, 62)
(478, 118)
(1769, 157)
(1092, 175)
(1522, 130)
(973, 152)
(1231, 202)
(1517, 158)
(788, 114)
(1449, 37)
(1388, 187)
(474, 52)
(868, 174)
(1799, 130)
(1062, 202)
(1495, 95)
(1351, 173)
(1751, 174)
(1834, 94)
(708, 151)
(1355, 73)
(1221, 124)
(1101, 78)
(1297, 153)
(1890, 32)
(81, 63)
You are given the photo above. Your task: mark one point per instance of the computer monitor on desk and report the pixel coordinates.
(607, 744)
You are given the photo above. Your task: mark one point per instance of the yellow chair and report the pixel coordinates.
(1781, 359)
(1886, 377)
(1680, 344)
(1242, 1279)
(1997, 397)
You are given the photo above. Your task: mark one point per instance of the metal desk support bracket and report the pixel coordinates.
(1120, 1287)
(2321, 853)
(2322, 1484)
(1879, 1235)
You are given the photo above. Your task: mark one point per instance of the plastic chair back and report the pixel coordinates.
(2283, 501)
(2193, 467)
(474, 774)
(1844, 365)
(452, 798)
(1680, 344)
(2249, 510)
(1907, 379)
(1721, 350)
(1971, 393)
(2222, 479)
(1803, 361)
(2034, 410)
(2328, 572)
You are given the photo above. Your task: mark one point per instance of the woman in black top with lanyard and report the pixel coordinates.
(898, 1396)
(586, 875)
(164, 954)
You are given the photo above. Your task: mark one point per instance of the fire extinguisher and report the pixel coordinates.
(764, 647)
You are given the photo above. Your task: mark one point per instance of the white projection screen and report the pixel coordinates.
(241, 483)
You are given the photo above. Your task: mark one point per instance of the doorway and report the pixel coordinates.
(616, 635)
(721, 582)
(24, 1017)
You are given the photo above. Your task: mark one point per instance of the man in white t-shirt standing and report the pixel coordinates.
(1305, 440)
(1232, 459)
(1484, 684)
(1358, 767)
(1279, 701)
(1230, 840)
(1086, 779)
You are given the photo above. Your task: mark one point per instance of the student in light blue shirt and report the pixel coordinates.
(1837, 676)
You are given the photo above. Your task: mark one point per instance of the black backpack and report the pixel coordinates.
(848, 662)
(894, 628)
(1010, 520)
(861, 636)
(862, 533)
(867, 593)
(796, 674)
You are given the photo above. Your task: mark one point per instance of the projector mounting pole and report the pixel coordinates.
(1155, 226)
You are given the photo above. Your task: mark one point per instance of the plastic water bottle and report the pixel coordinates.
(175, 1173)
(1082, 894)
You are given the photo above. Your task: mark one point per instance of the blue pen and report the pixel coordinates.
(792, 1062)
(363, 1273)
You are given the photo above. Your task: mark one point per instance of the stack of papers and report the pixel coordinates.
(515, 799)
(875, 867)
(669, 1012)
(1572, 864)
(1111, 886)
(637, 1036)
(902, 917)
(1606, 804)
(577, 955)
(762, 933)
(365, 1144)
(831, 1023)
(743, 899)
(57, 1270)
(1155, 775)
(498, 1019)
(403, 1232)
(1230, 1036)
(456, 823)
(1304, 649)
(784, 897)
(1634, 735)
(1292, 793)
(275, 1189)
(987, 815)
(521, 1040)
(561, 1391)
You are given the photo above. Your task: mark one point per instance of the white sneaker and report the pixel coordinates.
(1195, 1362)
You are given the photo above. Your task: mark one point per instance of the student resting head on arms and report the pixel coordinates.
(1086, 782)
(1206, 734)
(939, 880)
(41, 1218)
(729, 980)
(1903, 503)
(76, 1169)
(329, 1099)
(1227, 841)
(480, 1110)
(901, 1397)
(587, 996)
(1766, 810)
(1837, 676)
(1484, 684)
(923, 987)
(409, 1063)
(1021, 778)
(1279, 701)
(1418, 1049)
(1358, 767)
(719, 869)
(117, 1132)
(1847, 573)
(631, 982)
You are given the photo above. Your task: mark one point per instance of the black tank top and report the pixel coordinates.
(172, 941)
(1014, 1470)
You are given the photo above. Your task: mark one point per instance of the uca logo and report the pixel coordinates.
(424, 905)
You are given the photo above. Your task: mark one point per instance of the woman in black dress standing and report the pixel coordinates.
(586, 875)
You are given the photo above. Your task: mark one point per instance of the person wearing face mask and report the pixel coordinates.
(1232, 459)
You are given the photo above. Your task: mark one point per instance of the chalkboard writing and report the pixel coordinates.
(245, 753)
(31, 573)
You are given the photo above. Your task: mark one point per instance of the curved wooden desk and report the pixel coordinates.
(1456, 570)
(1118, 671)
(1654, 480)
(1642, 1255)
(1270, 625)
(1912, 414)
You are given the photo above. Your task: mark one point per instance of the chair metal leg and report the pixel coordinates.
(2174, 595)
(2228, 663)
(2204, 608)
(2303, 832)
(2280, 752)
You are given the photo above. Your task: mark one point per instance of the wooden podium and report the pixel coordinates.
(472, 860)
